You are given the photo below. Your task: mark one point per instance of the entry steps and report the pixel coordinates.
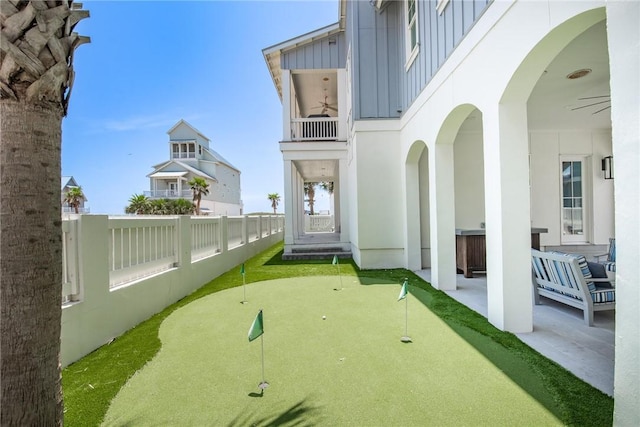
(316, 252)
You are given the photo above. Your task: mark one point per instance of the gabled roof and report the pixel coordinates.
(184, 122)
(67, 181)
(160, 167)
(272, 54)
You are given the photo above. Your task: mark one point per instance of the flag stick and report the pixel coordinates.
(337, 263)
(264, 384)
(244, 290)
(244, 286)
(406, 337)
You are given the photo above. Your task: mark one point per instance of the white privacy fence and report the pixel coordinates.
(118, 271)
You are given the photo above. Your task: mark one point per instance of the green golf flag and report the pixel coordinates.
(403, 291)
(242, 269)
(256, 327)
(335, 260)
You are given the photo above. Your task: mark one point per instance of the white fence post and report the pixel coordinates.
(183, 237)
(224, 227)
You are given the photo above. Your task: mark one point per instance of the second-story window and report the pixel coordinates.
(412, 31)
(184, 150)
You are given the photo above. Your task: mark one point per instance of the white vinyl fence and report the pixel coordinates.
(118, 271)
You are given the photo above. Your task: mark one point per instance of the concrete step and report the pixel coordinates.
(315, 255)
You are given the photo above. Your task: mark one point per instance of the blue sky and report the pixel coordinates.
(152, 63)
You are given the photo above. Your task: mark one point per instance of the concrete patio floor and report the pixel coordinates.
(559, 332)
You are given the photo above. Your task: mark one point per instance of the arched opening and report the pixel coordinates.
(417, 187)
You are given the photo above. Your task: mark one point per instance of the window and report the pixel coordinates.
(573, 203)
(412, 31)
(183, 150)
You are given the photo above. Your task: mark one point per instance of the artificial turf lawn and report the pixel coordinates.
(90, 384)
(351, 368)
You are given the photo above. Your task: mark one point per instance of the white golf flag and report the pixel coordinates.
(403, 291)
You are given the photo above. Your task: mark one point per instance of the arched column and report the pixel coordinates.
(508, 217)
(442, 217)
(413, 243)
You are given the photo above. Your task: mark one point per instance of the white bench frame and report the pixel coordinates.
(550, 278)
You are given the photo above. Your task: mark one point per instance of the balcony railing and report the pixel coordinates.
(314, 129)
(70, 209)
(168, 194)
(318, 223)
(190, 155)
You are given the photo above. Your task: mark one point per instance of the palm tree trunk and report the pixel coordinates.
(37, 43)
(30, 263)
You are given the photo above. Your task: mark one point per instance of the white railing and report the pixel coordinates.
(189, 155)
(314, 129)
(118, 271)
(138, 249)
(169, 194)
(318, 223)
(236, 232)
(206, 237)
(70, 209)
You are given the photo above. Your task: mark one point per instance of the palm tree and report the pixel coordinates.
(275, 199)
(310, 192)
(74, 198)
(138, 204)
(327, 186)
(36, 79)
(200, 187)
(181, 207)
(159, 207)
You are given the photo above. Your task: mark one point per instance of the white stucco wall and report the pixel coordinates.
(547, 149)
(624, 44)
(379, 205)
(469, 180)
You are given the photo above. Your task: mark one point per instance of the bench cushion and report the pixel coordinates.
(603, 296)
(599, 271)
(584, 267)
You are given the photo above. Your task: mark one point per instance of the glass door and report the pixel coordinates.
(573, 201)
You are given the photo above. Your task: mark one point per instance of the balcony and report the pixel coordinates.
(314, 129)
(168, 194)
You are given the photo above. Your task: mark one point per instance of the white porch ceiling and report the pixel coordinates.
(317, 170)
(555, 102)
(311, 89)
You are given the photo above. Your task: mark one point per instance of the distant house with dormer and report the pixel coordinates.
(66, 184)
(191, 156)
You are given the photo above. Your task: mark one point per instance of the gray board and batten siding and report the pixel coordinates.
(326, 53)
(381, 87)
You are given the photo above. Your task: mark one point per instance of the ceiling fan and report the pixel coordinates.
(325, 106)
(605, 99)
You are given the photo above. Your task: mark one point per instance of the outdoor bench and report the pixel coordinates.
(566, 278)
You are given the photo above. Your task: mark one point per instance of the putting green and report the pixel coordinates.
(350, 369)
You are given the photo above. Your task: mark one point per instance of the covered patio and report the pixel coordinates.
(559, 332)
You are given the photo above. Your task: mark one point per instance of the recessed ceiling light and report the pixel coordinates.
(579, 73)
